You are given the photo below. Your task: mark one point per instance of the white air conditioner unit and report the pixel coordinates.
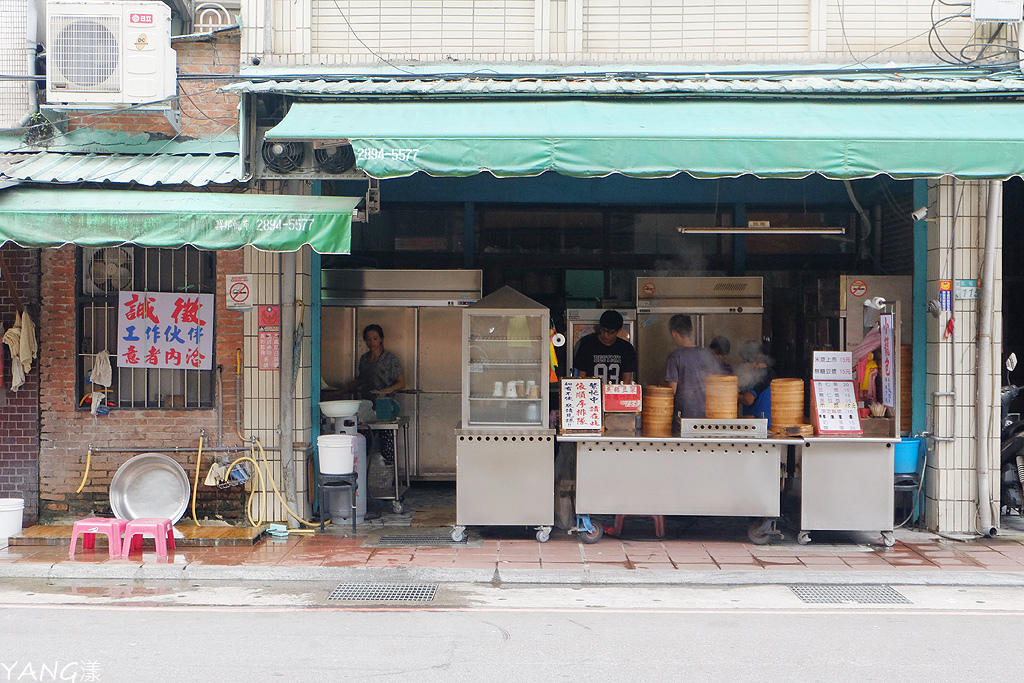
(1002, 11)
(107, 270)
(109, 52)
(276, 160)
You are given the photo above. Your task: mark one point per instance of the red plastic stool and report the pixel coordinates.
(659, 524)
(161, 528)
(87, 528)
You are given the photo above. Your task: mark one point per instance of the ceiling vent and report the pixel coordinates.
(109, 53)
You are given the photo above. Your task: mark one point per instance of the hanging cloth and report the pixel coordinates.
(29, 347)
(101, 373)
(12, 337)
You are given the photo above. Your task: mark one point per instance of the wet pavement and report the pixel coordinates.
(693, 550)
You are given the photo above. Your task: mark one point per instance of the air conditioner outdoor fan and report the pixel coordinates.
(335, 159)
(109, 270)
(283, 157)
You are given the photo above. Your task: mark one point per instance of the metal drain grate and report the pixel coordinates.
(423, 541)
(860, 595)
(378, 592)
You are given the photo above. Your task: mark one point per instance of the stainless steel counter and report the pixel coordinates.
(505, 476)
(846, 482)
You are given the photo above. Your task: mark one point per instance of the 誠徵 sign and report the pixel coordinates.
(165, 330)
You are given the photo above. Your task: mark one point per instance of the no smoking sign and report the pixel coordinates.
(858, 288)
(239, 292)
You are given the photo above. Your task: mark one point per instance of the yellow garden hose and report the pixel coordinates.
(273, 484)
(263, 498)
(85, 475)
(195, 480)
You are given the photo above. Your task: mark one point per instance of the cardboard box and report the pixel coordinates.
(620, 424)
(878, 427)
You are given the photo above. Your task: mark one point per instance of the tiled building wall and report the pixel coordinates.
(956, 242)
(19, 410)
(66, 432)
(262, 404)
(337, 32)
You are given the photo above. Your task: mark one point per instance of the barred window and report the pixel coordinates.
(102, 273)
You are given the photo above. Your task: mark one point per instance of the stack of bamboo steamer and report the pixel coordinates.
(658, 406)
(788, 407)
(721, 397)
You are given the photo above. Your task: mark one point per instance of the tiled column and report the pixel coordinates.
(956, 242)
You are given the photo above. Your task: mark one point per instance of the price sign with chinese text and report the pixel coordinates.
(581, 405)
(622, 398)
(165, 330)
(832, 365)
(834, 405)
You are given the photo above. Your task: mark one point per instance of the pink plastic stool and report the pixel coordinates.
(87, 528)
(659, 524)
(162, 530)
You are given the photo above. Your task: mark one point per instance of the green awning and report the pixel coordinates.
(51, 217)
(659, 137)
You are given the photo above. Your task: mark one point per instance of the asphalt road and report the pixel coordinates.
(124, 631)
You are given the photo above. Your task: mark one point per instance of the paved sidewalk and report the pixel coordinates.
(706, 554)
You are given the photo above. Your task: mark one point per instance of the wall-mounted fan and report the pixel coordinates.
(336, 159)
(108, 270)
(283, 157)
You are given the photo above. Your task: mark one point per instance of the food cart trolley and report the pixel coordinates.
(715, 475)
(504, 448)
(846, 484)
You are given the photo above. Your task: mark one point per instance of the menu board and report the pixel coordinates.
(834, 404)
(581, 405)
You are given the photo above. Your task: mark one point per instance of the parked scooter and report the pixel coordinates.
(1011, 450)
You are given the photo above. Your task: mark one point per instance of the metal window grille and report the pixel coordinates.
(102, 274)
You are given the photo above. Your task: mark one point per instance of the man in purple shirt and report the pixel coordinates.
(687, 369)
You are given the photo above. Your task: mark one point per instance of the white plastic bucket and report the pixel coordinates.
(339, 498)
(11, 512)
(337, 453)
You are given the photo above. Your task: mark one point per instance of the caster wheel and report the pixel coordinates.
(543, 534)
(592, 536)
(459, 534)
(803, 538)
(397, 507)
(888, 539)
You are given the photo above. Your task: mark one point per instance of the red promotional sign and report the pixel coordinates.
(622, 398)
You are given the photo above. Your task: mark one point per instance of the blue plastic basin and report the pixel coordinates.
(905, 455)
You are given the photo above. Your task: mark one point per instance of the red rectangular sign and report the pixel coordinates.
(622, 398)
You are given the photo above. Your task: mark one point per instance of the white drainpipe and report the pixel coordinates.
(984, 361)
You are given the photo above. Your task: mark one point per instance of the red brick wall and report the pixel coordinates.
(205, 111)
(19, 411)
(66, 432)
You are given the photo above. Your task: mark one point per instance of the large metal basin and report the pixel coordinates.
(150, 485)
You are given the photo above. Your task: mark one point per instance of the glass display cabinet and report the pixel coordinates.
(504, 447)
(505, 357)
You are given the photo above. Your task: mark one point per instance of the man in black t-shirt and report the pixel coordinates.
(605, 354)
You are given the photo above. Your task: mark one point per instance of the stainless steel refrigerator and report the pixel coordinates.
(421, 314)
